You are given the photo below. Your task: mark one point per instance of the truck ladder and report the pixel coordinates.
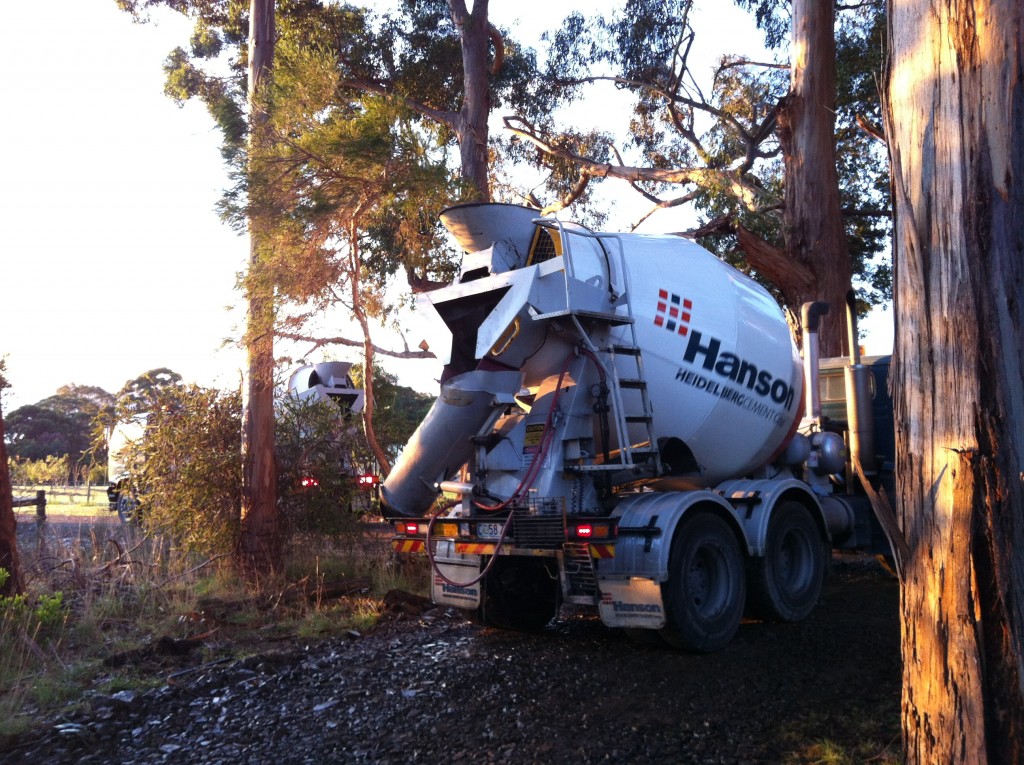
(578, 568)
(642, 458)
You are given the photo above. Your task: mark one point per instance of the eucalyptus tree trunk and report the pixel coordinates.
(259, 545)
(471, 124)
(8, 523)
(813, 221)
(955, 115)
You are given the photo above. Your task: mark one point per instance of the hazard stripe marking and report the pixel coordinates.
(407, 545)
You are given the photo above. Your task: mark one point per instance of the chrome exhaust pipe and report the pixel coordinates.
(860, 423)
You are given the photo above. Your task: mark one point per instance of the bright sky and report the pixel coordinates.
(112, 258)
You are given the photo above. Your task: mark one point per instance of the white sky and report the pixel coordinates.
(112, 258)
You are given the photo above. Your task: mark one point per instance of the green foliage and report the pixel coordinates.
(676, 124)
(399, 409)
(51, 471)
(42, 620)
(344, 166)
(145, 393)
(317, 448)
(188, 472)
(59, 425)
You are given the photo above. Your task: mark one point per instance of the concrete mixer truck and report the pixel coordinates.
(624, 423)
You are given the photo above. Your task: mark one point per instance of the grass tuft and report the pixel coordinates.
(101, 609)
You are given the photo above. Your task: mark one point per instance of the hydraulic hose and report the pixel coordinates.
(524, 485)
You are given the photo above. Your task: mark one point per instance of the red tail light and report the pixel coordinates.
(367, 481)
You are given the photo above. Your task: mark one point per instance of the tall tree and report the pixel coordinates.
(349, 172)
(139, 395)
(955, 122)
(730, 170)
(476, 33)
(259, 544)
(812, 218)
(12, 585)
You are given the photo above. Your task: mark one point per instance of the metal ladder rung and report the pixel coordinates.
(579, 568)
(626, 348)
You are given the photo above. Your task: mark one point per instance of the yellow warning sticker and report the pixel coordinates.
(534, 434)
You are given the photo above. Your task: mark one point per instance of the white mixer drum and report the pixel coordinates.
(723, 373)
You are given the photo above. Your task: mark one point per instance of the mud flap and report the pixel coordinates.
(456, 569)
(633, 603)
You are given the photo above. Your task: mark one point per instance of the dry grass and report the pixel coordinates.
(121, 601)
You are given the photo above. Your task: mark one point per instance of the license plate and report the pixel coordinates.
(488, 530)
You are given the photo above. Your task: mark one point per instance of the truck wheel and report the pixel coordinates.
(706, 587)
(519, 594)
(128, 508)
(786, 583)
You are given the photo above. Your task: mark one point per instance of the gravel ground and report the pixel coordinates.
(437, 689)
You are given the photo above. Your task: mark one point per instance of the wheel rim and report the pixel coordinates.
(707, 582)
(794, 561)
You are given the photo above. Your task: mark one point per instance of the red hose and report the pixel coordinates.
(524, 485)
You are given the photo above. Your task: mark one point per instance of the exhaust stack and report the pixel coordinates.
(858, 398)
(810, 317)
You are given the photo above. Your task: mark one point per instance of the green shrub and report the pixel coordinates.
(189, 475)
(316, 447)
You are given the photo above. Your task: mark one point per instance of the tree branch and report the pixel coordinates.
(738, 62)
(872, 130)
(448, 118)
(664, 204)
(571, 196)
(499, 48)
(320, 342)
(774, 263)
(750, 196)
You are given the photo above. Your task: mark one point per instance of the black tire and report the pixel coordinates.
(786, 583)
(706, 588)
(519, 594)
(128, 508)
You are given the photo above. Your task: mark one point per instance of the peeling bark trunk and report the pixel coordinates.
(955, 115)
(8, 525)
(259, 544)
(476, 100)
(813, 221)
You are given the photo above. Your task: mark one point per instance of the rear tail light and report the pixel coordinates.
(592, 531)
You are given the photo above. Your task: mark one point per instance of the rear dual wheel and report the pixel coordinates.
(706, 587)
(786, 583)
(519, 594)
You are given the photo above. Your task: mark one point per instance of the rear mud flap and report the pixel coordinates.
(633, 603)
(451, 575)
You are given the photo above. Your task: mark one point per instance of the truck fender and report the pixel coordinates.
(754, 501)
(647, 525)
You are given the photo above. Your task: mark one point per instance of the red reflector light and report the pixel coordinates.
(367, 481)
(408, 528)
(585, 530)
